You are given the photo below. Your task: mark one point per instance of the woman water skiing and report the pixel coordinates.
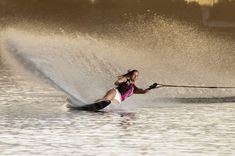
(125, 88)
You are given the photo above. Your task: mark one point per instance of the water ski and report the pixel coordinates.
(94, 106)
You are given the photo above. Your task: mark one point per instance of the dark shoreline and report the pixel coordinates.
(86, 15)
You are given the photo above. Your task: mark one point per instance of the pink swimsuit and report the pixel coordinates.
(125, 90)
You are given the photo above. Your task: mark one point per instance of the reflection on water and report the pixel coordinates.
(181, 130)
(217, 13)
(204, 2)
(201, 2)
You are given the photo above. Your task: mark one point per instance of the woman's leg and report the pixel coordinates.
(109, 96)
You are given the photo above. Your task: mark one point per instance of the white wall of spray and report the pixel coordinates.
(68, 65)
(163, 50)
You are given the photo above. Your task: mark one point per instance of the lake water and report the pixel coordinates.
(49, 50)
(35, 121)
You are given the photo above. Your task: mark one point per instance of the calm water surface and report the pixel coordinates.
(34, 120)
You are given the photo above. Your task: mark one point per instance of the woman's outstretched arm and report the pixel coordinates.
(143, 91)
(140, 90)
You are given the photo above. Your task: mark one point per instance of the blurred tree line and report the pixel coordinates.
(79, 11)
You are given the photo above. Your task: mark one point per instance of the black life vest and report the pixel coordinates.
(124, 87)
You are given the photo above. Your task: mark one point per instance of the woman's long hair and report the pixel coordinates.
(129, 73)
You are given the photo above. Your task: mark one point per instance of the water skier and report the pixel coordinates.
(125, 88)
